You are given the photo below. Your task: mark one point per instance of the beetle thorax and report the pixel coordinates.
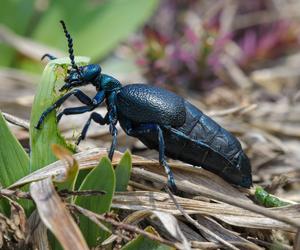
(109, 83)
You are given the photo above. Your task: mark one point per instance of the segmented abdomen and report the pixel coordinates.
(200, 127)
(202, 142)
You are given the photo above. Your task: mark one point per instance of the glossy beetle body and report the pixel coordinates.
(190, 135)
(159, 118)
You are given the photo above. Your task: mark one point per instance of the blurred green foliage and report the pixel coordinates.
(96, 26)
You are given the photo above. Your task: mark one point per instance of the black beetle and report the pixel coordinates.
(160, 119)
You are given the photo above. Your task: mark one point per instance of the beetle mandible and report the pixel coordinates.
(159, 118)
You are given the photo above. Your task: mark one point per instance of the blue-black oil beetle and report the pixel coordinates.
(159, 118)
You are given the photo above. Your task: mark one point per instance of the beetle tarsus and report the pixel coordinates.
(79, 139)
(49, 56)
(162, 160)
(114, 133)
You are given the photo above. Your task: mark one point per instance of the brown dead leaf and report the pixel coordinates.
(55, 216)
(38, 236)
(13, 229)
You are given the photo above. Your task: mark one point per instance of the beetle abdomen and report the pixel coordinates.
(147, 104)
(202, 142)
(218, 150)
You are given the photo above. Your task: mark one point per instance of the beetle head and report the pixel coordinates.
(78, 76)
(81, 76)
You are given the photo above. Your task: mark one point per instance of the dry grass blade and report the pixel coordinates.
(168, 221)
(171, 224)
(189, 180)
(55, 216)
(200, 227)
(197, 176)
(16, 120)
(187, 186)
(90, 158)
(86, 160)
(226, 234)
(141, 200)
(26, 46)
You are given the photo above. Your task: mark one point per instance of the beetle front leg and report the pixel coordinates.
(76, 92)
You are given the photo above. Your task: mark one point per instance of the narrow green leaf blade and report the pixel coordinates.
(141, 242)
(47, 93)
(123, 171)
(14, 162)
(100, 178)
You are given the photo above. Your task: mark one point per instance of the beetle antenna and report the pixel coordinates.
(70, 45)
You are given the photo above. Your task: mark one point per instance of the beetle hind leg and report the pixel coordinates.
(146, 129)
(114, 132)
(74, 111)
(163, 162)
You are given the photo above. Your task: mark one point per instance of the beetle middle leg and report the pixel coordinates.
(96, 118)
(74, 111)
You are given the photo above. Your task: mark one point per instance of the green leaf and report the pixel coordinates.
(97, 28)
(123, 171)
(142, 242)
(268, 200)
(100, 178)
(14, 162)
(47, 93)
(16, 15)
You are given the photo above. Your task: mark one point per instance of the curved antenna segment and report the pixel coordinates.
(70, 45)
